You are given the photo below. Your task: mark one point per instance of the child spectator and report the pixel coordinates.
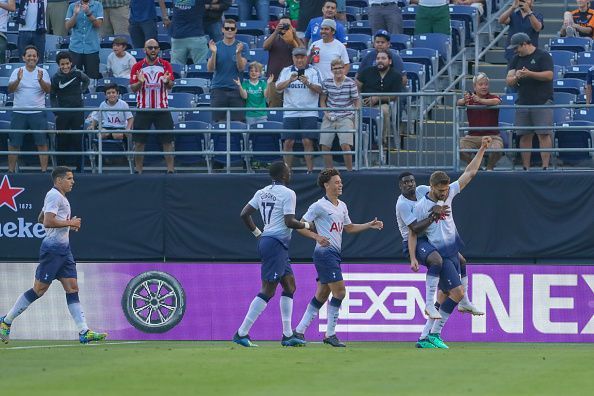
(115, 115)
(256, 93)
(120, 62)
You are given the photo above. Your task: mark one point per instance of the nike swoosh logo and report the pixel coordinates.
(62, 86)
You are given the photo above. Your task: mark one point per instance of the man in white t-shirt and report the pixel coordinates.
(120, 62)
(302, 86)
(31, 20)
(6, 6)
(29, 84)
(323, 52)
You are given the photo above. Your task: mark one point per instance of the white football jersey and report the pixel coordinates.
(274, 202)
(405, 210)
(57, 204)
(330, 220)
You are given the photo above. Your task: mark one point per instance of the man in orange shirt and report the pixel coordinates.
(580, 22)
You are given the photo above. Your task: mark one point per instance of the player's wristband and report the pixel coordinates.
(257, 232)
(306, 225)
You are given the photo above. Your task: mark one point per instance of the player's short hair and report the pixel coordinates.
(60, 171)
(112, 86)
(63, 55)
(326, 175)
(438, 178)
(277, 169)
(403, 175)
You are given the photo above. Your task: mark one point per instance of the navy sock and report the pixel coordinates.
(31, 296)
(314, 301)
(448, 305)
(264, 297)
(335, 302)
(462, 270)
(72, 298)
(286, 294)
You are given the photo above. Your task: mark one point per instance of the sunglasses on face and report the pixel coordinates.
(230, 28)
(337, 68)
(152, 47)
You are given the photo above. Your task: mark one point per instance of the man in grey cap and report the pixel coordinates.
(301, 85)
(325, 50)
(531, 74)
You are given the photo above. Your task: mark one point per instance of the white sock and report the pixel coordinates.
(465, 300)
(440, 323)
(257, 306)
(21, 304)
(310, 314)
(333, 311)
(431, 283)
(427, 328)
(286, 308)
(79, 317)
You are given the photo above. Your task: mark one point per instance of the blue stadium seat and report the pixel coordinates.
(104, 54)
(353, 54)
(353, 70)
(459, 39)
(51, 68)
(357, 3)
(558, 71)
(164, 41)
(577, 71)
(426, 56)
(437, 41)
(255, 28)
(586, 114)
(138, 53)
(409, 13)
(469, 15)
(507, 115)
(93, 100)
(275, 12)
(6, 69)
(199, 115)
(573, 44)
(203, 100)
(358, 41)
(248, 39)
(362, 27)
(258, 55)
(571, 85)
(181, 100)
(585, 58)
(352, 14)
(122, 83)
(275, 115)
(563, 98)
(563, 58)
(219, 142)
(408, 27)
(194, 86)
(191, 142)
(370, 121)
(52, 42)
(561, 115)
(265, 136)
(198, 71)
(574, 139)
(415, 72)
(232, 13)
(400, 41)
(129, 98)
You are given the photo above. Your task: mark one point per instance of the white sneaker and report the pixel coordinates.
(432, 312)
(469, 308)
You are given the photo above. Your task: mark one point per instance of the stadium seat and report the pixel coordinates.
(353, 54)
(191, 142)
(353, 70)
(409, 13)
(357, 3)
(6, 69)
(573, 44)
(415, 72)
(408, 27)
(4, 85)
(194, 86)
(585, 58)
(507, 115)
(400, 41)
(121, 82)
(576, 71)
(232, 13)
(258, 55)
(571, 85)
(469, 15)
(563, 98)
(586, 114)
(425, 56)
(52, 42)
(561, 115)
(219, 143)
(361, 27)
(558, 71)
(563, 58)
(180, 100)
(437, 41)
(275, 12)
(248, 39)
(199, 115)
(51, 68)
(93, 100)
(198, 71)
(129, 98)
(264, 136)
(104, 54)
(352, 14)
(358, 41)
(203, 100)
(255, 28)
(458, 34)
(581, 138)
(137, 53)
(275, 115)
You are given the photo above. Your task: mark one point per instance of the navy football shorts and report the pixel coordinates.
(275, 259)
(449, 278)
(327, 262)
(55, 264)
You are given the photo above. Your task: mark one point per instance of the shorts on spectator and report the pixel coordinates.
(161, 120)
(255, 120)
(474, 142)
(534, 116)
(300, 123)
(28, 121)
(340, 124)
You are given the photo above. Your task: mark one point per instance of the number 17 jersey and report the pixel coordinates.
(274, 202)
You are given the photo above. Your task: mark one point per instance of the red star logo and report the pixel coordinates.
(8, 193)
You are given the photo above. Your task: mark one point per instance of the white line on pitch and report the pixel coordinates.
(72, 345)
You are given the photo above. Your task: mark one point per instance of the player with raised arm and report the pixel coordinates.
(276, 204)
(330, 216)
(443, 235)
(55, 259)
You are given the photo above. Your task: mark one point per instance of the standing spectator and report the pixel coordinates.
(339, 91)
(29, 84)
(433, 16)
(531, 72)
(481, 118)
(227, 61)
(302, 86)
(580, 22)
(55, 15)
(213, 16)
(521, 17)
(115, 115)
(280, 45)
(143, 21)
(151, 79)
(381, 78)
(68, 87)
(385, 15)
(261, 6)
(120, 62)
(313, 32)
(31, 20)
(309, 10)
(381, 42)
(292, 7)
(85, 18)
(256, 93)
(6, 6)
(187, 32)
(324, 51)
(116, 15)
(478, 4)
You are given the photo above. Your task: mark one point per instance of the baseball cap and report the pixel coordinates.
(517, 40)
(382, 33)
(331, 23)
(299, 51)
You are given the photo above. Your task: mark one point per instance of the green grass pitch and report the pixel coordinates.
(363, 368)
